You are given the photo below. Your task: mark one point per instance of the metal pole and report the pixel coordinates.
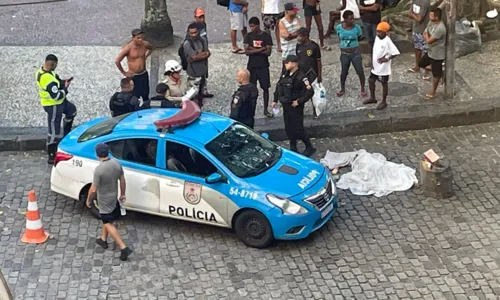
(451, 16)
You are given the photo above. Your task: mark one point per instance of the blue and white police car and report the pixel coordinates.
(210, 170)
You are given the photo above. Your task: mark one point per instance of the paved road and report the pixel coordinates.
(97, 22)
(404, 246)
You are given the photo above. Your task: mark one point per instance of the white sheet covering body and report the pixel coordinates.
(371, 173)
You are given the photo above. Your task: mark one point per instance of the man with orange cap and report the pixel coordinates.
(199, 21)
(384, 51)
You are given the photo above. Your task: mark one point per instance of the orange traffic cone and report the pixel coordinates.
(34, 233)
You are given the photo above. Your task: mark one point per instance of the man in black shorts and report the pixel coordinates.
(309, 55)
(258, 45)
(435, 37)
(105, 183)
(313, 10)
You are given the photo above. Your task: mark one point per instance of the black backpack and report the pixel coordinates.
(224, 3)
(182, 55)
(390, 3)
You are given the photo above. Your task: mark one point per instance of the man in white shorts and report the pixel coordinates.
(239, 21)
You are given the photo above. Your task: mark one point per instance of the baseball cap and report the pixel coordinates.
(198, 12)
(102, 150)
(291, 58)
(303, 31)
(383, 26)
(161, 88)
(137, 31)
(291, 6)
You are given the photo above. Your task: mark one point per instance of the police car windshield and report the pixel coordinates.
(101, 129)
(243, 151)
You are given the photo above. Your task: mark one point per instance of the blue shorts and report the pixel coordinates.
(369, 31)
(419, 42)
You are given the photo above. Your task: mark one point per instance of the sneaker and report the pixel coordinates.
(309, 152)
(125, 253)
(101, 243)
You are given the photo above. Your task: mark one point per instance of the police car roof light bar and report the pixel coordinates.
(189, 113)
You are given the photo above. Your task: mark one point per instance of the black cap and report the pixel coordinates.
(137, 31)
(303, 31)
(102, 150)
(161, 88)
(291, 6)
(291, 58)
(51, 57)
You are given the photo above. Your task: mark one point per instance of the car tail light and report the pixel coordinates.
(61, 156)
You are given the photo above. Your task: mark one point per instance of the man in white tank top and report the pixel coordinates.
(289, 26)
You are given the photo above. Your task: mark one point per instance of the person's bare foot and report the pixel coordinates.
(370, 101)
(382, 105)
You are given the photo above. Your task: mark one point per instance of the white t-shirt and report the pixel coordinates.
(351, 5)
(272, 7)
(383, 48)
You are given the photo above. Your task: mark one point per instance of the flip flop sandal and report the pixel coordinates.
(426, 77)
(326, 48)
(363, 94)
(412, 71)
(340, 94)
(428, 97)
(238, 51)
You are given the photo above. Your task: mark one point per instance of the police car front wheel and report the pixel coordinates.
(254, 229)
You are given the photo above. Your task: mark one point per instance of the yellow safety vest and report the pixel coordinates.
(43, 79)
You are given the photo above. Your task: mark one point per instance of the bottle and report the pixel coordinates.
(122, 209)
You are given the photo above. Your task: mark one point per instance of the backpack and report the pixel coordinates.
(224, 3)
(390, 3)
(182, 54)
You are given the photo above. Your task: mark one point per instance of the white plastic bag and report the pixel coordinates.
(319, 98)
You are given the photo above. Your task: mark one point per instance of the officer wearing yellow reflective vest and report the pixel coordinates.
(52, 91)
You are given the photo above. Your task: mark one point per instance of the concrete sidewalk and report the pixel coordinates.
(96, 79)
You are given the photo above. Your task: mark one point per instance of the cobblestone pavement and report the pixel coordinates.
(404, 246)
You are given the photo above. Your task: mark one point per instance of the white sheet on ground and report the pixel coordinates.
(371, 173)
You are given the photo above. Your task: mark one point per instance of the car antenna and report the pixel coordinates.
(139, 115)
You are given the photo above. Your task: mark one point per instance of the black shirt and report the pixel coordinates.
(293, 87)
(158, 102)
(260, 40)
(308, 55)
(243, 104)
(372, 17)
(122, 103)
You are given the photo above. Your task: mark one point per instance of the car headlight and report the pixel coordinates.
(287, 207)
(332, 183)
(334, 188)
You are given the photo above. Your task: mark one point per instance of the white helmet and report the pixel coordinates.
(172, 66)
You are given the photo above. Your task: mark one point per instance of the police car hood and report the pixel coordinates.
(292, 175)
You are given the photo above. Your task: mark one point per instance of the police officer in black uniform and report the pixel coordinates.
(244, 100)
(124, 101)
(293, 91)
(160, 101)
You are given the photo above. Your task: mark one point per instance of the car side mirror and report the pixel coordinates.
(265, 135)
(214, 178)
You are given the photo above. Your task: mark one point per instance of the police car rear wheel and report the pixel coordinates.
(94, 208)
(254, 229)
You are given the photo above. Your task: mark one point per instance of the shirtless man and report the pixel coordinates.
(136, 52)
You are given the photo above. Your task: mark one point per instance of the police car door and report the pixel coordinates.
(184, 194)
(138, 157)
